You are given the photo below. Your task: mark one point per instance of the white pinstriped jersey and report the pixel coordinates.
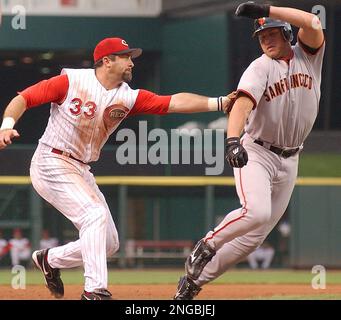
(287, 96)
(84, 121)
(19, 244)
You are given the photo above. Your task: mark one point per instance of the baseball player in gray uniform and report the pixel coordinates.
(277, 103)
(87, 106)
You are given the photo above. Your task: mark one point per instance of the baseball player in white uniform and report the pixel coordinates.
(87, 106)
(277, 104)
(20, 248)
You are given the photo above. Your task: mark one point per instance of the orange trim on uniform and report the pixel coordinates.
(250, 96)
(304, 47)
(244, 209)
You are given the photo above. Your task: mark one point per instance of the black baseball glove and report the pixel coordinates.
(253, 10)
(235, 153)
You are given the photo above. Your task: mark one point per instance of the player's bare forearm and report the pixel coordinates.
(16, 108)
(12, 114)
(310, 32)
(238, 116)
(296, 17)
(190, 103)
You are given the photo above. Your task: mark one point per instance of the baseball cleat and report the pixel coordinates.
(187, 289)
(99, 294)
(52, 275)
(197, 260)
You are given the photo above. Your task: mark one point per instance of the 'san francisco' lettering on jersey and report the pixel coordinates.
(298, 80)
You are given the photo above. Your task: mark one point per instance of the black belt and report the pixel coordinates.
(54, 150)
(285, 153)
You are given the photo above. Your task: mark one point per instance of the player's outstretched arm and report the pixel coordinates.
(12, 114)
(310, 32)
(190, 103)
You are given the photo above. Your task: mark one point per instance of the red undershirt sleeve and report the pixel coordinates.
(149, 103)
(51, 90)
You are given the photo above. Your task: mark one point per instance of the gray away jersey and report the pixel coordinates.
(286, 96)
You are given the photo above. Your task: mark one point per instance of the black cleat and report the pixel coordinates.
(52, 275)
(99, 294)
(187, 289)
(197, 260)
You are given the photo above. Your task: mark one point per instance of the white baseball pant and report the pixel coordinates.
(71, 188)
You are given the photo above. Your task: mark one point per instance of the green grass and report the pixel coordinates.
(115, 277)
(161, 276)
(319, 165)
(275, 277)
(134, 276)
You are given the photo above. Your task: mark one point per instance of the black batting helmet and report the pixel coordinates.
(265, 23)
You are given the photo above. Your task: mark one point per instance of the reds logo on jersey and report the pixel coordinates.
(114, 114)
(88, 115)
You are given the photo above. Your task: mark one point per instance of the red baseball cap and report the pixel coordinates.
(117, 46)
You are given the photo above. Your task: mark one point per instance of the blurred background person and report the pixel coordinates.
(47, 241)
(20, 247)
(261, 257)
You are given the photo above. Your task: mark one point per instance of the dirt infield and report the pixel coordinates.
(166, 292)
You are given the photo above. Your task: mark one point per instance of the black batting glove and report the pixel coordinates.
(235, 153)
(253, 10)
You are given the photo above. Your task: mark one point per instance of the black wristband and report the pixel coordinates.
(253, 10)
(232, 140)
(220, 103)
